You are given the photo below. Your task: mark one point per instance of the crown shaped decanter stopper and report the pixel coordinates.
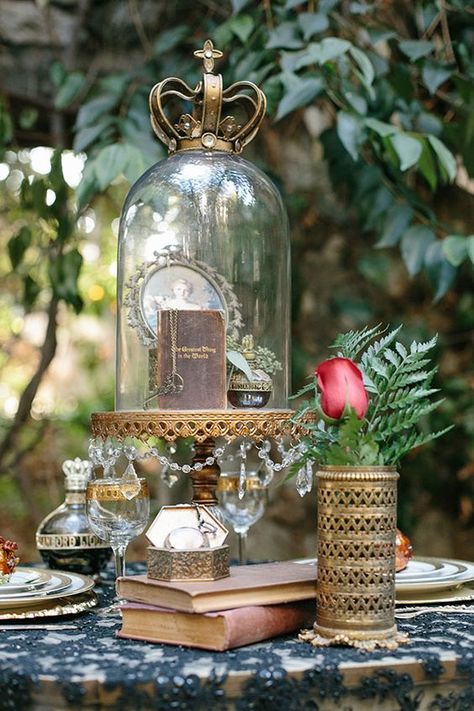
(77, 472)
(212, 124)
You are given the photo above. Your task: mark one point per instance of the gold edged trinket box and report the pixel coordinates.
(187, 544)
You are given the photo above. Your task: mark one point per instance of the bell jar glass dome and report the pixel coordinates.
(203, 262)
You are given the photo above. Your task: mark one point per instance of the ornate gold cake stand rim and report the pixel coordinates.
(198, 424)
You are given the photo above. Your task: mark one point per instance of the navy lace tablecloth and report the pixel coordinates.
(87, 666)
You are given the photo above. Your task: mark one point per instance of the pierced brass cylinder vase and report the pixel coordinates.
(357, 515)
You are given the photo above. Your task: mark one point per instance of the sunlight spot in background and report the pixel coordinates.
(72, 168)
(91, 252)
(40, 159)
(14, 180)
(87, 222)
(95, 292)
(10, 405)
(50, 197)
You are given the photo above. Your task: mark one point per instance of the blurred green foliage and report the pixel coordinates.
(386, 91)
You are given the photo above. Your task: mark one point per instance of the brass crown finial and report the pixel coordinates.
(208, 54)
(208, 126)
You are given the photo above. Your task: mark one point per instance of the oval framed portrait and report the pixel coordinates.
(176, 286)
(174, 281)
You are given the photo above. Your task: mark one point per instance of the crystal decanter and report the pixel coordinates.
(64, 538)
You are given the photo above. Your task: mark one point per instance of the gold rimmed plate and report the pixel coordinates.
(72, 605)
(452, 574)
(24, 580)
(463, 593)
(56, 582)
(62, 584)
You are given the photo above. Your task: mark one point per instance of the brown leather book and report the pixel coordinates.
(190, 363)
(217, 631)
(261, 584)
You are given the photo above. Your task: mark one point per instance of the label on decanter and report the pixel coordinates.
(68, 540)
(190, 362)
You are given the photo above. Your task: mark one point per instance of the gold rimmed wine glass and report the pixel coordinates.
(118, 510)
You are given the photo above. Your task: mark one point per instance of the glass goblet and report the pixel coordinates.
(118, 510)
(241, 511)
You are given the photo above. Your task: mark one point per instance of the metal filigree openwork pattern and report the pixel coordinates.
(356, 558)
(201, 424)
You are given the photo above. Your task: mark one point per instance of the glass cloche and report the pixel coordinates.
(203, 262)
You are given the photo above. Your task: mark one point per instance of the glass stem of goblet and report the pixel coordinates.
(242, 534)
(119, 555)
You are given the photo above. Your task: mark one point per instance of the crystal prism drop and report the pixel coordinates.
(242, 480)
(131, 484)
(168, 476)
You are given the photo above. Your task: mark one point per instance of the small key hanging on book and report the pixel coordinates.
(172, 383)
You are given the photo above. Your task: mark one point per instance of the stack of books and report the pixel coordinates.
(255, 603)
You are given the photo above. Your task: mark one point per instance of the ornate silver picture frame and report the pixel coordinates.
(174, 281)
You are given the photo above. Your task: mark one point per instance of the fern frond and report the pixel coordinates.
(309, 388)
(391, 424)
(350, 344)
(424, 347)
(398, 449)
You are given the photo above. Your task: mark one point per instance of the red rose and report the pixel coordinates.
(340, 382)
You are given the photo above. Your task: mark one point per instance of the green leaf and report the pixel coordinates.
(470, 247)
(285, 36)
(31, 291)
(135, 163)
(240, 362)
(434, 75)
(242, 26)
(27, 118)
(95, 109)
(57, 74)
(109, 163)
(17, 246)
(440, 272)
(300, 95)
(169, 39)
(312, 23)
(69, 89)
(396, 221)
(88, 185)
(350, 133)
(427, 166)
(238, 5)
(455, 249)
(88, 135)
(445, 157)
(64, 274)
(380, 127)
(331, 48)
(407, 148)
(365, 65)
(414, 246)
(415, 49)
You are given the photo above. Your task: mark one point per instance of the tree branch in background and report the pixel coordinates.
(48, 351)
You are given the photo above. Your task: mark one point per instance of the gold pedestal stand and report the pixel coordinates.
(205, 426)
